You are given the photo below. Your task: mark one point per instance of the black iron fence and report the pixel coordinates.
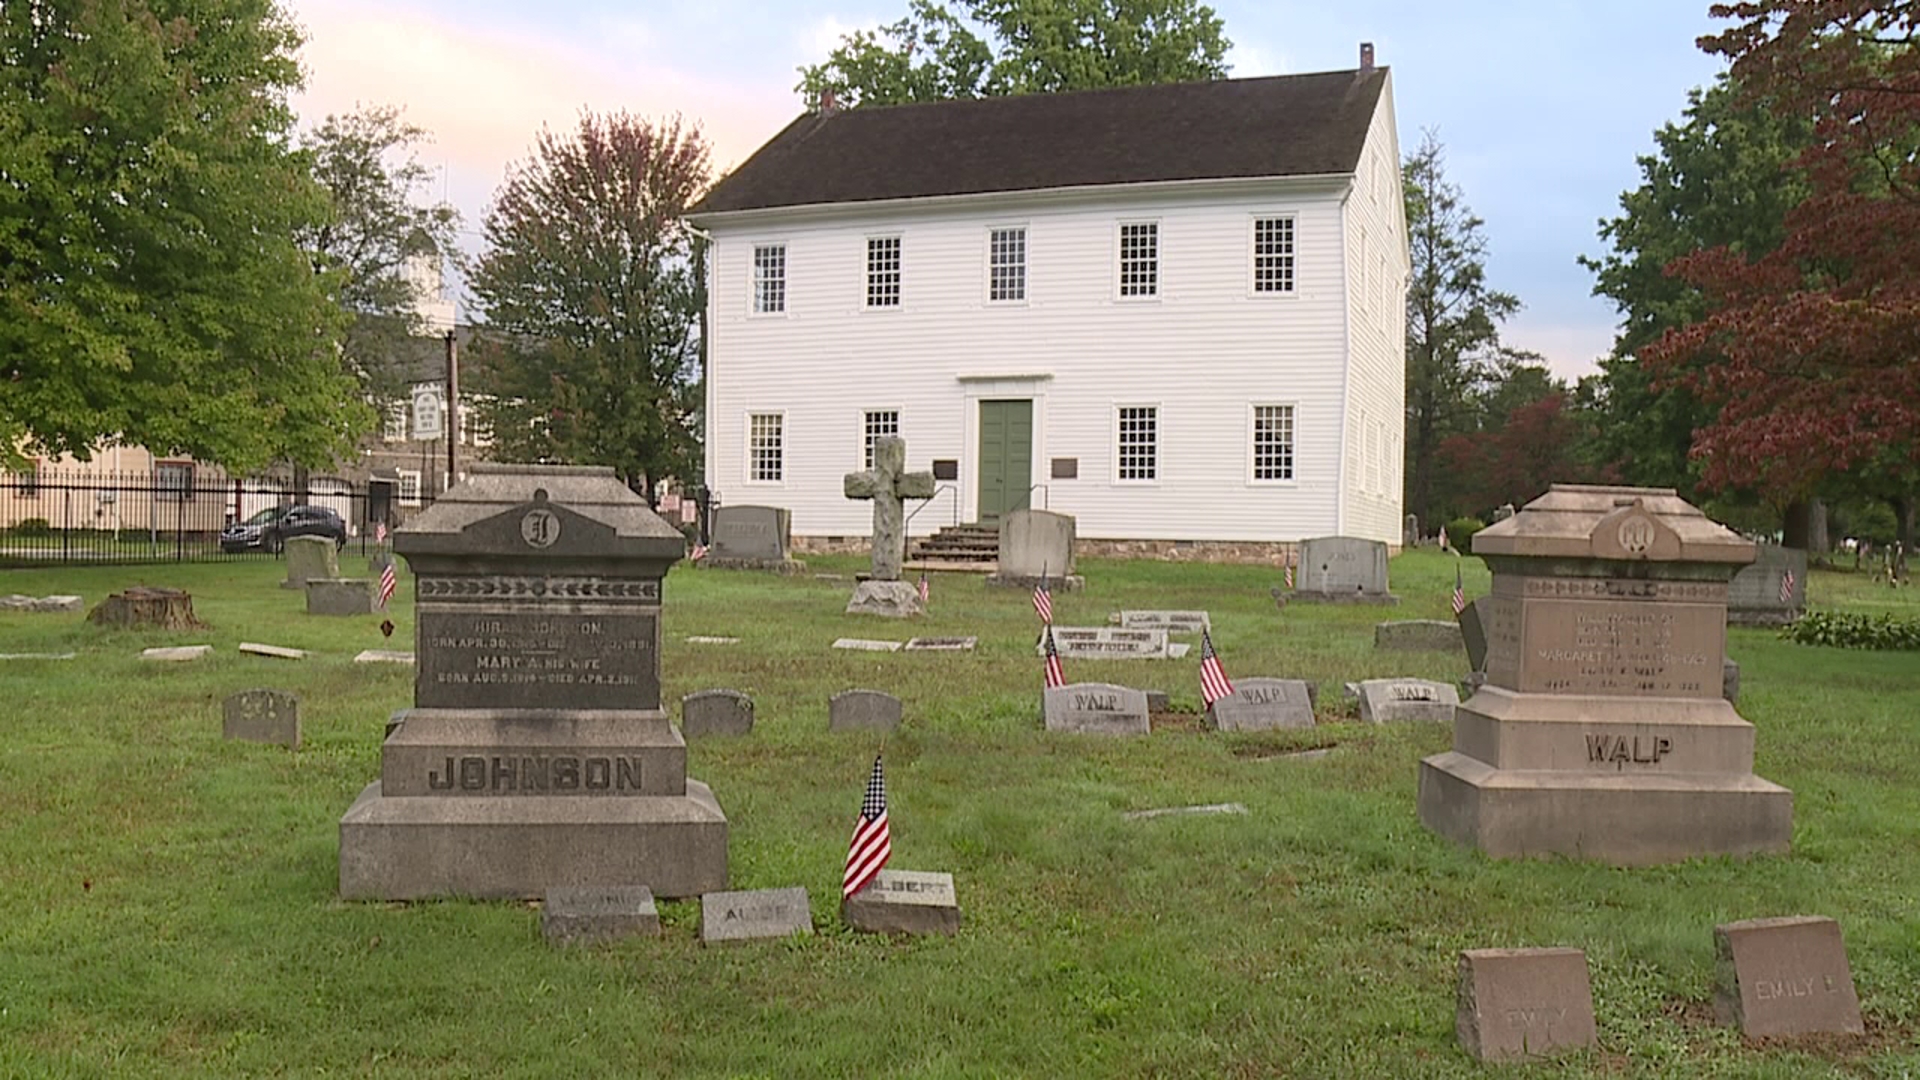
(184, 514)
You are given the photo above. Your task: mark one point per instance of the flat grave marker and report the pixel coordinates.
(1107, 643)
(383, 656)
(1785, 977)
(1522, 1004)
(262, 716)
(1173, 622)
(913, 902)
(942, 644)
(866, 645)
(1385, 701)
(754, 913)
(594, 914)
(176, 653)
(279, 652)
(1180, 811)
(43, 605)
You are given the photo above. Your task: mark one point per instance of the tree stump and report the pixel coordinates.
(143, 606)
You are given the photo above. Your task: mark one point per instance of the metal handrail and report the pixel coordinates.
(929, 502)
(1045, 499)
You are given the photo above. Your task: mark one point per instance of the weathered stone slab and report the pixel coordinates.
(1173, 622)
(278, 651)
(1178, 649)
(1771, 590)
(1260, 704)
(863, 710)
(310, 557)
(1428, 635)
(716, 712)
(1785, 977)
(1172, 811)
(595, 914)
(889, 599)
(866, 645)
(176, 652)
(1096, 709)
(1473, 632)
(1107, 643)
(1342, 569)
(1033, 542)
(904, 902)
(752, 538)
(754, 913)
(41, 604)
(942, 644)
(1159, 701)
(705, 639)
(39, 655)
(1385, 701)
(340, 596)
(263, 716)
(1521, 1004)
(383, 656)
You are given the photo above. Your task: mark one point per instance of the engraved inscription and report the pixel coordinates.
(1621, 648)
(523, 659)
(1527, 1018)
(1775, 989)
(1636, 534)
(1619, 751)
(511, 775)
(540, 528)
(1097, 702)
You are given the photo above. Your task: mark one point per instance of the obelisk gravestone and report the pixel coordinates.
(536, 755)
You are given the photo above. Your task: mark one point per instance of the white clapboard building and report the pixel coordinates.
(1175, 312)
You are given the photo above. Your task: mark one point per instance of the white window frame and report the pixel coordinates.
(1026, 248)
(1119, 452)
(179, 491)
(868, 435)
(1292, 255)
(1120, 292)
(400, 489)
(1292, 444)
(875, 279)
(750, 470)
(395, 427)
(755, 281)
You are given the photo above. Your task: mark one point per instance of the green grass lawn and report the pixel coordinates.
(167, 899)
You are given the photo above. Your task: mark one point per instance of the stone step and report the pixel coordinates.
(948, 566)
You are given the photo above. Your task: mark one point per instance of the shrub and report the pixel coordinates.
(1460, 533)
(1841, 630)
(33, 527)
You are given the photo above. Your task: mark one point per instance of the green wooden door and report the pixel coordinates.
(1006, 456)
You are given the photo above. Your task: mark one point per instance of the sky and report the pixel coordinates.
(1543, 105)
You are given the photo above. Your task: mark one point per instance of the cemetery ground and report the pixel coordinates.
(168, 906)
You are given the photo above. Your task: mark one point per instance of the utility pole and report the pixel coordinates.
(453, 411)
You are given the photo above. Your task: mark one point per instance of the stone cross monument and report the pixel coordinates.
(1601, 731)
(888, 484)
(536, 754)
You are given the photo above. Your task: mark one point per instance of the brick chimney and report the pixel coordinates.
(1366, 56)
(829, 104)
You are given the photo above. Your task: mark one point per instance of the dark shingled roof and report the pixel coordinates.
(1285, 125)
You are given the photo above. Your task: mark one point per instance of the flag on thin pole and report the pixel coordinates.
(1289, 570)
(380, 533)
(1055, 676)
(388, 582)
(1214, 683)
(1043, 599)
(699, 552)
(1459, 592)
(872, 838)
(1786, 587)
(926, 590)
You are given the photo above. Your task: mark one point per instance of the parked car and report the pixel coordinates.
(270, 529)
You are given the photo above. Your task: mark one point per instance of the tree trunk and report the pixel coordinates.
(302, 485)
(1903, 507)
(1819, 543)
(141, 606)
(1796, 524)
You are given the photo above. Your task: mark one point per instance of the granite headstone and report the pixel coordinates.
(1096, 709)
(1785, 977)
(1342, 570)
(754, 913)
(1260, 704)
(1386, 701)
(716, 712)
(1521, 1004)
(262, 716)
(863, 710)
(904, 902)
(310, 557)
(595, 914)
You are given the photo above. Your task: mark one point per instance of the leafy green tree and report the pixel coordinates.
(591, 296)
(1454, 351)
(380, 219)
(152, 286)
(1721, 176)
(983, 48)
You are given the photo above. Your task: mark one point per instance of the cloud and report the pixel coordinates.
(1571, 349)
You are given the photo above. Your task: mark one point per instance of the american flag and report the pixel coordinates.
(1459, 592)
(699, 552)
(1214, 683)
(388, 582)
(1043, 599)
(1786, 587)
(872, 839)
(380, 533)
(1055, 676)
(1289, 571)
(926, 590)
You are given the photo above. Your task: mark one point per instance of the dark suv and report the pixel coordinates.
(270, 529)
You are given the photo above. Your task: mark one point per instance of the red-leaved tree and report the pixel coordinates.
(1811, 352)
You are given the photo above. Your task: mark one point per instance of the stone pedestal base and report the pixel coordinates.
(520, 846)
(1624, 820)
(1312, 596)
(783, 567)
(894, 599)
(1029, 582)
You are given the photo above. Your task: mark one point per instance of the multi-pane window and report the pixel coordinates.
(1007, 264)
(769, 279)
(765, 459)
(883, 271)
(1273, 255)
(173, 481)
(879, 424)
(1139, 442)
(396, 425)
(1273, 442)
(1140, 258)
(409, 487)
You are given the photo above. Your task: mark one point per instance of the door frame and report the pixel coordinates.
(978, 388)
